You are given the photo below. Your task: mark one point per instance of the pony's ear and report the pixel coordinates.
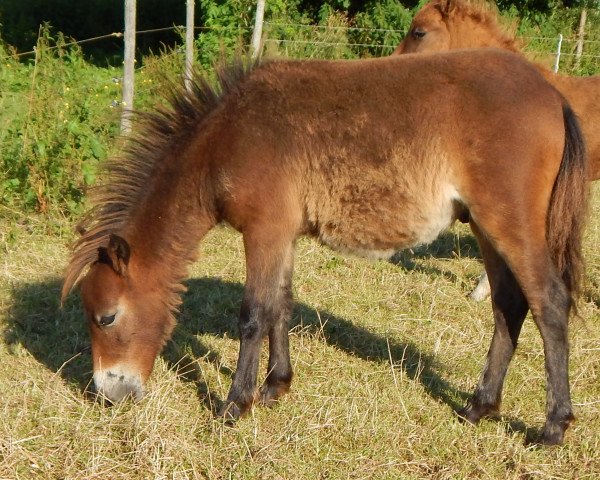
(116, 254)
(448, 7)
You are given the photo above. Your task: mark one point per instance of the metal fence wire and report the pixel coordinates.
(342, 41)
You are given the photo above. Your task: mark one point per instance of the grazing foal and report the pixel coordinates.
(369, 156)
(443, 25)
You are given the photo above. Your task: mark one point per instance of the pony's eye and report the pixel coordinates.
(418, 33)
(106, 320)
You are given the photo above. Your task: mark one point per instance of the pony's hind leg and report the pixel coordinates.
(265, 310)
(552, 318)
(532, 280)
(510, 308)
(482, 290)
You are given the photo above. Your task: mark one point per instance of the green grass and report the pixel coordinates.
(382, 354)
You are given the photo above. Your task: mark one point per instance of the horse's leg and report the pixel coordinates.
(552, 320)
(482, 290)
(265, 308)
(550, 303)
(279, 371)
(510, 308)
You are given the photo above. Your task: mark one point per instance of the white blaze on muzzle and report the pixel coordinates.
(118, 382)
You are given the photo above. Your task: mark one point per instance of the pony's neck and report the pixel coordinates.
(165, 229)
(469, 31)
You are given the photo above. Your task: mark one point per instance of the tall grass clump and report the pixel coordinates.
(541, 32)
(327, 39)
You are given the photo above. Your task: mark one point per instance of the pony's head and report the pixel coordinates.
(128, 319)
(443, 25)
(428, 31)
(147, 215)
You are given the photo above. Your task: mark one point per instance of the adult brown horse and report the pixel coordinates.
(443, 25)
(369, 156)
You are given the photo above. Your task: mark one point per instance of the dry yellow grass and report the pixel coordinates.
(382, 354)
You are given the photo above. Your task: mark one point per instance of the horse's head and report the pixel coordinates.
(443, 25)
(128, 319)
(428, 31)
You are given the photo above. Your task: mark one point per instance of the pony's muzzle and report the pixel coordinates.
(116, 385)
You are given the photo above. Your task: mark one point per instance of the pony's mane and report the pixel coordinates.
(126, 177)
(486, 14)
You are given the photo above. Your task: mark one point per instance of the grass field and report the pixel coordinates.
(383, 354)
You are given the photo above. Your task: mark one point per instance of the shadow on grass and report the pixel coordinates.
(590, 293)
(511, 425)
(56, 338)
(447, 245)
(59, 338)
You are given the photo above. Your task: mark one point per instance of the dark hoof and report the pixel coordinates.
(472, 414)
(544, 439)
(553, 432)
(229, 413)
(552, 435)
(270, 394)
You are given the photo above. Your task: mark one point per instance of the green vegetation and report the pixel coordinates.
(55, 127)
(541, 33)
(382, 352)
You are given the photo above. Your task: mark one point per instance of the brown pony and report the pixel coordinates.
(370, 156)
(443, 25)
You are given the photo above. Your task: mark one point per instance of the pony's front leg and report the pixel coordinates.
(266, 309)
(279, 371)
(251, 330)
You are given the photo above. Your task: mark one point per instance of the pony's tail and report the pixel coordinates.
(568, 207)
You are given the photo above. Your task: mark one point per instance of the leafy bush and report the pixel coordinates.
(227, 24)
(54, 124)
(382, 24)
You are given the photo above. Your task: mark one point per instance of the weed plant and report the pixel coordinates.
(56, 121)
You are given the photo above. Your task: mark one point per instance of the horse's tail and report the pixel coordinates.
(568, 207)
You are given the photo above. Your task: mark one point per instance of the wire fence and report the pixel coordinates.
(319, 29)
(541, 45)
(330, 41)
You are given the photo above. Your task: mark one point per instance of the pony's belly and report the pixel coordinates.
(374, 209)
(379, 230)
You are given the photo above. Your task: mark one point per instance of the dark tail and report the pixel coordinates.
(568, 207)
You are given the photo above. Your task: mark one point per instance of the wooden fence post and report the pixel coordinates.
(258, 25)
(580, 35)
(128, 73)
(189, 43)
